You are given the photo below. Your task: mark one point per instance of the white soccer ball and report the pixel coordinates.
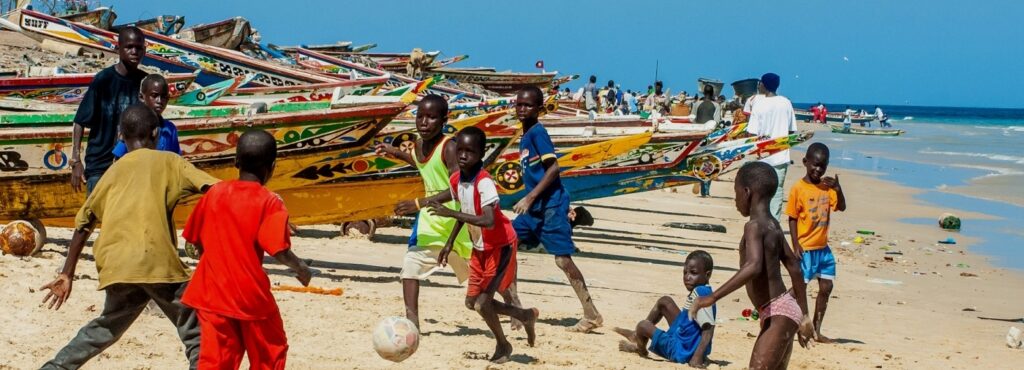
(396, 338)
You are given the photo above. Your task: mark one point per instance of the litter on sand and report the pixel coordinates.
(949, 240)
(885, 282)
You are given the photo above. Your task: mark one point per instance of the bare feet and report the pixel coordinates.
(516, 324)
(586, 325)
(632, 347)
(823, 339)
(530, 325)
(629, 334)
(502, 353)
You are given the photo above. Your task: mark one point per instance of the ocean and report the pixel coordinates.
(969, 159)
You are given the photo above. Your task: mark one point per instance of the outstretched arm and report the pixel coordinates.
(485, 219)
(293, 262)
(753, 265)
(385, 149)
(60, 288)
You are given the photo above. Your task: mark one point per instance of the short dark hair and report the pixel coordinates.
(153, 78)
(611, 83)
(477, 135)
(257, 150)
(818, 148)
(703, 257)
(130, 30)
(593, 78)
(709, 91)
(440, 100)
(760, 177)
(536, 91)
(138, 122)
(583, 217)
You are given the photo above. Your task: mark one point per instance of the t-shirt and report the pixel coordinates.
(473, 195)
(535, 147)
(134, 200)
(109, 94)
(706, 111)
(878, 114)
(685, 334)
(631, 101)
(748, 107)
(166, 141)
(590, 96)
(811, 205)
(235, 223)
(773, 117)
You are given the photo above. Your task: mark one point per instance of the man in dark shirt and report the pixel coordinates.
(706, 109)
(112, 91)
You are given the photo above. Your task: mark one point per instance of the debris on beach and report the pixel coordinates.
(968, 274)
(948, 240)
(949, 221)
(696, 226)
(1014, 338)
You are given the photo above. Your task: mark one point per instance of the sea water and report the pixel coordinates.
(945, 148)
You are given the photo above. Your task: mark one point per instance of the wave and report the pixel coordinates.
(995, 157)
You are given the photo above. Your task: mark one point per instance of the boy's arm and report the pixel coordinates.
(385, 149)
(485, 220)
(77, 168)
(293, 262)
(550, 174)
(60, 288)
(698, 360)
(792, 264)
(840, 197)
(442, 258)
(797, 248)
(752, 266)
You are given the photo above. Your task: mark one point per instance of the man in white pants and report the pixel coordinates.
(772, 116)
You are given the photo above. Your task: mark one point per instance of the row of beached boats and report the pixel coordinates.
(328, 109)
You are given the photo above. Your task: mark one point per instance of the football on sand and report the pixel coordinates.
(20, 238)
(396, 338)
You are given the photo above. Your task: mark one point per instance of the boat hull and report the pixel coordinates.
(840, 129)
(70, 89)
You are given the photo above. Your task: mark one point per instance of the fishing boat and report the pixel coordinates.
(392, 62)
(337, 47)
(302, 93)
(168, 54)
(716, 84)
(499, 82)
(166, 25)
(71, 88)
(807, 116)
(227, 34)
(840, 129)
(745, 88)
(102, 17)
(33, 183)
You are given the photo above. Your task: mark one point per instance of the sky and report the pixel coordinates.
(916, 52)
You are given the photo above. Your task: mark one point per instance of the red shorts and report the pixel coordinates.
(492, 270)
(223, 341)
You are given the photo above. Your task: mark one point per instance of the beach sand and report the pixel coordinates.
(907, 313)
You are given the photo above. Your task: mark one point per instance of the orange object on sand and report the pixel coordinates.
(308, 289)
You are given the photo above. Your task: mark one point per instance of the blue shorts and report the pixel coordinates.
(819, 263)
(549, 226)
(679, 343)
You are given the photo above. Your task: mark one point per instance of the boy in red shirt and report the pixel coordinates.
(492, 266)
(232, 226)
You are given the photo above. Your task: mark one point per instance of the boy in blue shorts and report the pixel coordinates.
(543, 212)
(687, 341)
(811, 202)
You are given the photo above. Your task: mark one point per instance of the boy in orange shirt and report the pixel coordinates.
(232, 226)
(811, 202)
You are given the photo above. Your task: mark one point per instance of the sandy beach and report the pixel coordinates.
(917, 311)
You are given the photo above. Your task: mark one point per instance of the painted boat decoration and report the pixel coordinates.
(226, 34)
(302, 93)
(166, 25)
(170, 54)
(34, 175)
(335, 66)
(71, 88)
(564, 80)
(807, 116)
(448, 61)
(102, 17)
(684, 169)
(206, 95)
(392, 62)
(499, 82)
(840, 129)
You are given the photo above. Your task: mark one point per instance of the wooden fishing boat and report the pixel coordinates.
(102, 17)
(716, 84)
(840, 129)
(392, 62)
(169, 54)
(302, 93)
(837, 117)
(499, 82)
(337, 47)
(166, 25)
(71, 88)
(206, 95)
(33, 184)
(226, 34)
(745, 88)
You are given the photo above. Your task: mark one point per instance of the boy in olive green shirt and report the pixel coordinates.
(136, 255)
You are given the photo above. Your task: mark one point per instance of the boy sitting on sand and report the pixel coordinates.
(492, 266)
(232, 226)
(155, 93)
(811, 202)
(136, 255)
(763, 247)
(686, 341)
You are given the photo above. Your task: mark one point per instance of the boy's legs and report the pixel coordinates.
(419, 263)
(123, 304)
(774, 344)
(820, 305)
(820, 264)
(491, 271)
(222, 346)
(776, 204)
(168, 298)
(666, 308)
(265, 342)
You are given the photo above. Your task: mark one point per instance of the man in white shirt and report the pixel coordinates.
(771, 117)
(883, 121)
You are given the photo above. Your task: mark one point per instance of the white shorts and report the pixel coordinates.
(419, 263)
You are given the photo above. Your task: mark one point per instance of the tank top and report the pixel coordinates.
(433, 231)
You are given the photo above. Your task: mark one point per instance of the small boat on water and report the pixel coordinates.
(102, 17)
(807, 116)
(227, 34)
(840, 129)
(163, 24)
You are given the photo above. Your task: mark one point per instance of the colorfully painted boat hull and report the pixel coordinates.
(102, 18)
(70, 89)
(500, 82)
(227, 34)
(302, 93)
(163, 24)
(839, 129)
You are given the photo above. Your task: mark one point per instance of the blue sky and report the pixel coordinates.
(919, 52)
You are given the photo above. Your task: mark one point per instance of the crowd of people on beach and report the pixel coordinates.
(134, 176)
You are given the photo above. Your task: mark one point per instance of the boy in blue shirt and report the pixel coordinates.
(154, 93)
(543, 212)
(687, 341)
